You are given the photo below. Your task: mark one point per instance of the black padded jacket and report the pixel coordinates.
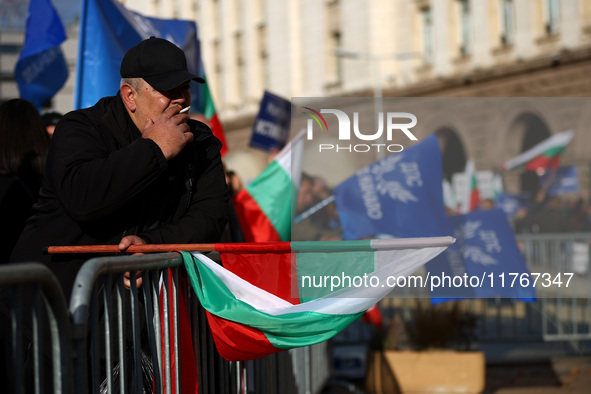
(103, 181)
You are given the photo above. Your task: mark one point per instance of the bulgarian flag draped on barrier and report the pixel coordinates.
(264, 207)
(270, 297)
(544, 155)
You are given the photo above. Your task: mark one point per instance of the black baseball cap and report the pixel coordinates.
(51, 118)
(159, 62)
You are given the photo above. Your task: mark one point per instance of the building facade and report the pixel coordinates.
(393, 48)
(303, 48)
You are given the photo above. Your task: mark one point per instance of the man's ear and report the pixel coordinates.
(128, 94)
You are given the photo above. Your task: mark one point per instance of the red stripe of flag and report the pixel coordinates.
(237, 342)
(218, 131)
(188, 372)
(269, 266)
(545, 162)
(277, 264)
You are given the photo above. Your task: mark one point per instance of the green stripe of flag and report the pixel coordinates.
(339, 263)
(267, 198)
(553, 151)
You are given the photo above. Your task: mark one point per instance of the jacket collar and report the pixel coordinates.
(118, 120)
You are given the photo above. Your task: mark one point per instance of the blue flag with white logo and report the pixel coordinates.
(41, 69)
(484, 262)
(512, 203)
(566, 180)
(107, 31)
(271, 127)
(399, 196)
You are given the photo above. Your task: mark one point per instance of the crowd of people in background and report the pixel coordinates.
(323, 224)
(554, 215)
(543, 214)
(24, 146)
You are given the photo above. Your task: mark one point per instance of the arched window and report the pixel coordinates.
(532, 130)
(452, 152)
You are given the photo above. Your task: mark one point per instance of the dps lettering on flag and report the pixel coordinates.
(271, 127)
(566, 180)
(511, 203)
(485, 251)
(400, 195)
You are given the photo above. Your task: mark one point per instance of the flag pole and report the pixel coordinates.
(152, 248)
(79, 63)
(314, 209)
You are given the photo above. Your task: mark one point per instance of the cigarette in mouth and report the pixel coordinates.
(185, 110)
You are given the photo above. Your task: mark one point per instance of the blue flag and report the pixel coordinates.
(566, 180)
(400, 196)
(484, 262)
(41, 69)
(512, 203)
(271, 127)
(107, 31)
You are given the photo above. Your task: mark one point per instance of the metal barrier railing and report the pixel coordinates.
(558, 314)
(138, 355)
(34, 312)
(98, 305)
(118, 339)
(565, 314)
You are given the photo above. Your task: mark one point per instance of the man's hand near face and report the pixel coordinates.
(170, 131)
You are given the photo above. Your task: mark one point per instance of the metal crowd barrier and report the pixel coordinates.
(36, 334)
(112, 339)
(115, 339)
(558, 315)
(119, 331)
(566, 313)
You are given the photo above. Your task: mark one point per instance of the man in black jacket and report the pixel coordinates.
(130, 170)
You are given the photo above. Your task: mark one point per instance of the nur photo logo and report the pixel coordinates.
(388, 124)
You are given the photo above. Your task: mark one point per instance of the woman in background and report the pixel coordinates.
(23, 150)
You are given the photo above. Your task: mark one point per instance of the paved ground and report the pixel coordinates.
(561, 375)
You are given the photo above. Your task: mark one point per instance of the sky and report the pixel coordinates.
(13, 13)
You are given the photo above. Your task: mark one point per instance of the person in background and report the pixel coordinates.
(305, 194)
(577, 216)
(486, 204)
(233, 231)
(50, 120)
(321, 225)
(546, 215)
(24, 144)
(23, 150)
(234, 183)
